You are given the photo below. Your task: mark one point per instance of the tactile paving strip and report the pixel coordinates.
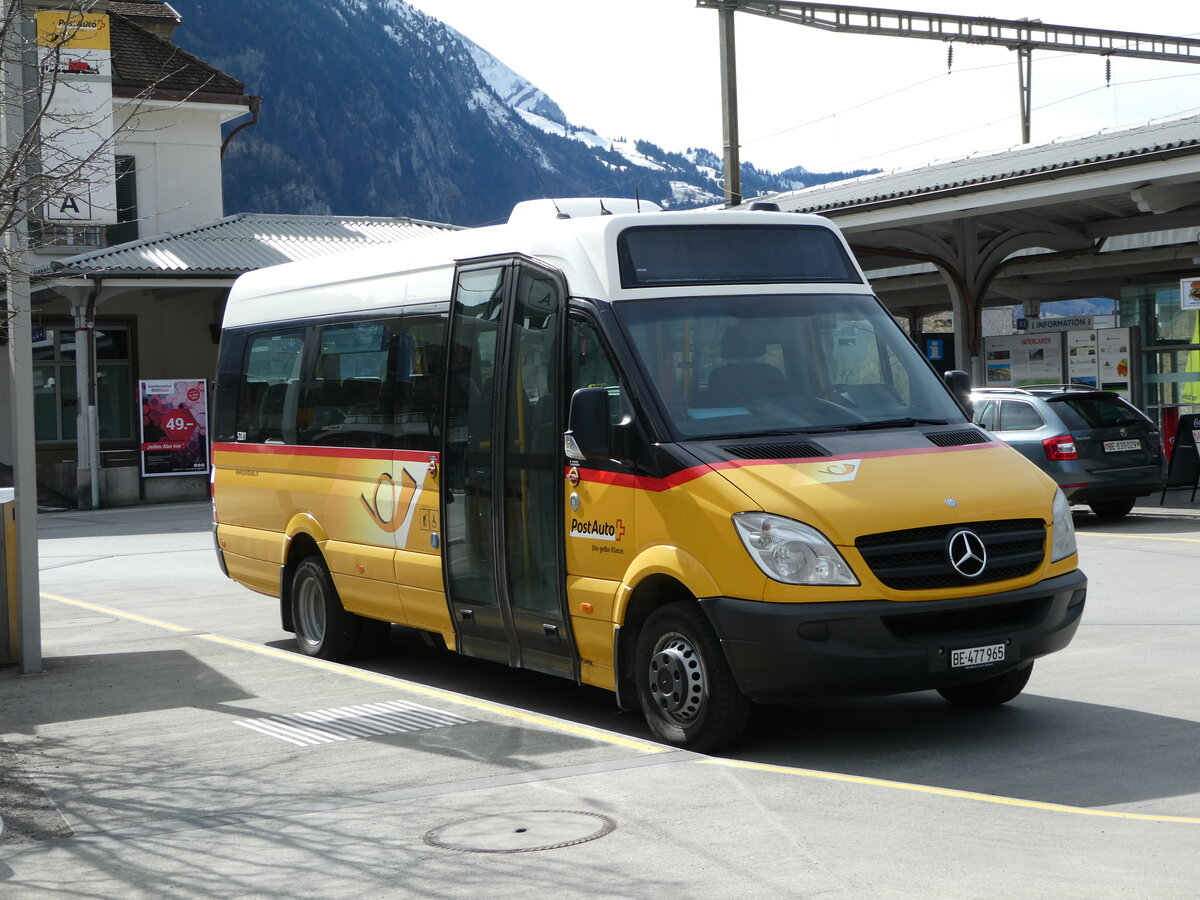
(346, 723)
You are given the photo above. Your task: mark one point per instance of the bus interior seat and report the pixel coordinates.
(270, 412)
(249, 416)
(744, 378)
(326, 403)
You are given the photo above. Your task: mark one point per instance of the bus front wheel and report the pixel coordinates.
(992, 692)
(685, 686)
(323, 628)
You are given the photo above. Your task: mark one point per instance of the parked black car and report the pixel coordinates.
(1102, 451)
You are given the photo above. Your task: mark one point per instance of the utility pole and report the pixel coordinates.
(1020, 35)
(16, 51)
(729, 116)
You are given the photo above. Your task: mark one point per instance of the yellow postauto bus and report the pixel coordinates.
(684, 456)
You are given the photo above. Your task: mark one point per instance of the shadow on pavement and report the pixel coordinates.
(1034, 748)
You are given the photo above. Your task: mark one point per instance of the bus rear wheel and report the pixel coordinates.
(685, 686)
(323, 628)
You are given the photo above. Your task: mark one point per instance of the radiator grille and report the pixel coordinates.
(917, 558)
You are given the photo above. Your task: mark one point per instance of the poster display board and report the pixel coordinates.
(1184, 469)
(174, 434)
(1083, 367)
(1016, 360)
(1189, 293)
(1103, 358)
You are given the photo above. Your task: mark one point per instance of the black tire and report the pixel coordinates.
(684, 683)
(1112, 509)
(991, 692)
(323, 628)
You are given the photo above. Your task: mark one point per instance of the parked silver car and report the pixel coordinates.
(1102, 451)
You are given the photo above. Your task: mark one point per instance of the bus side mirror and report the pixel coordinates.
(959, 383)
(589, 435)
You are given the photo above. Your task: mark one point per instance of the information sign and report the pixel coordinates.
(1015, 360)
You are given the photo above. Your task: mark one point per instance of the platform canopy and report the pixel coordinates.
(1061, 220)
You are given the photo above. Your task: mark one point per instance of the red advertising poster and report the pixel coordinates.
(174, 427)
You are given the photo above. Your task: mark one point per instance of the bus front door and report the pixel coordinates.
(502, 482)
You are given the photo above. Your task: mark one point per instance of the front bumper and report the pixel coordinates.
(783, 652)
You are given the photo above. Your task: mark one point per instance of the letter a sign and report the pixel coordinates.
(68, 208)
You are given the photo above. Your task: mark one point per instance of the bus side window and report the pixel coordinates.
(344, 402)
(419, 373)
(270, 369)
(591, 366)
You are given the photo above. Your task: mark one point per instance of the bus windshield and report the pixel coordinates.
(744, 365)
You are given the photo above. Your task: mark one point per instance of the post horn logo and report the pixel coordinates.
(389, 521)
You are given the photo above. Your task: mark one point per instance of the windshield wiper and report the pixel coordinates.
(896, 423)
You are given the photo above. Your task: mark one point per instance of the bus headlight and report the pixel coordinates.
(1063, 543)
(791, 552)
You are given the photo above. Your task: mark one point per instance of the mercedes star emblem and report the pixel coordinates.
(967, 553)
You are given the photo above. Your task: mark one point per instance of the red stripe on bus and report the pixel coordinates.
(649, 483)
(328, 452)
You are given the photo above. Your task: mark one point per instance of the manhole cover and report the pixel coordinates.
(521, 832)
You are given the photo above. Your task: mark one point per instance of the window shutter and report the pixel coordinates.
(126, 228)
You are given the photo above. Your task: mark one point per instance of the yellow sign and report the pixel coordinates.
(73, 30)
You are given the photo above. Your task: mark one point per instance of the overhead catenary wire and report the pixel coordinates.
(1008, 118)
(919, 83)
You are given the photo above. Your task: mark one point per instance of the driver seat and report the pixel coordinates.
(744, 378)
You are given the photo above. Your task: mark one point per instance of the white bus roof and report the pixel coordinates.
(582, 245)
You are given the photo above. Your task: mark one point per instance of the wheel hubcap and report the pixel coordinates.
(310, 612)
(677, 683)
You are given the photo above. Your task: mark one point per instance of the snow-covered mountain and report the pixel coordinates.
(374, 108)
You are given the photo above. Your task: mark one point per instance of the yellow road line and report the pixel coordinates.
(947, 792)
(157, 623)
(1137, 537)
(609, 737)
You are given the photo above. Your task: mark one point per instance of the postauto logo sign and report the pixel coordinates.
(597, 530)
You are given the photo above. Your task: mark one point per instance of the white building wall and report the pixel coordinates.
(177, 149)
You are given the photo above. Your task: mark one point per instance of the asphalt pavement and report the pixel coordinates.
(177, 744)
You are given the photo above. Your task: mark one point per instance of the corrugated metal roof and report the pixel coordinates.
(240, 243)
(1179, 134)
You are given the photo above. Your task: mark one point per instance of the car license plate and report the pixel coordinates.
(971, 657)
(1114, 446)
